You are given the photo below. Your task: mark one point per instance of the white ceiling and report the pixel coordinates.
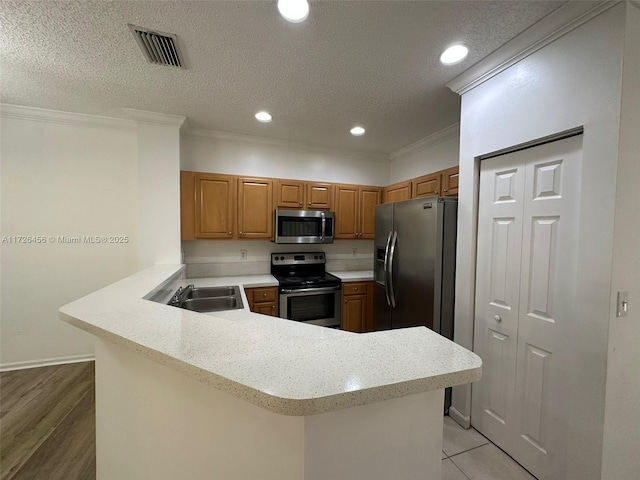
(373, 64)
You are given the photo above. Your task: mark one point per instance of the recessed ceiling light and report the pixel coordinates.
(263, 117)
(357, 131)
(454, 54)
(294, 11)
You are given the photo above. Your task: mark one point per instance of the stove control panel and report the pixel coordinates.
(297, 258)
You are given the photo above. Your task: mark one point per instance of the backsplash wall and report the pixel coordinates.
(205, 258)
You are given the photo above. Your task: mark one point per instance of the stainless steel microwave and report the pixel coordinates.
(303, 226)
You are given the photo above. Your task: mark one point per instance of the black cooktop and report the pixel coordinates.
(302, 270)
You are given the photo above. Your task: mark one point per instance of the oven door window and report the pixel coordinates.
(311, 307)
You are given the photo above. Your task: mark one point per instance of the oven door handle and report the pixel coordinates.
(314, 290)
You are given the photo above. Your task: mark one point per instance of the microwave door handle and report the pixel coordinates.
(392, 254)
(324, 224)
(386, 268)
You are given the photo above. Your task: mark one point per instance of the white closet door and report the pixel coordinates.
(525, 292)
(547, 303)
(497, 294)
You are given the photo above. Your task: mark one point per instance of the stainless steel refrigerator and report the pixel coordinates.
(414, 265)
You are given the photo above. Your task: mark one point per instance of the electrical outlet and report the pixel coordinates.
(355, 252)
(243, 254)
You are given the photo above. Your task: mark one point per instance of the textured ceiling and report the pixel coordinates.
(369, 63)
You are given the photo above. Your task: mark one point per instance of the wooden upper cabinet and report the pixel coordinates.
(289, 194)
(319, 196)
(355, 211)
(255, 208)
(214, 205)
(397, 192)
(450, 182)
(305, 195)
(369, 198)
(346, 217)
(426, 186)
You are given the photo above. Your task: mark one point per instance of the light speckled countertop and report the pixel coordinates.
(354, 276)
(283, 366)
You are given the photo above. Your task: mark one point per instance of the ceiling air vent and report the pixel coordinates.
(159, 48)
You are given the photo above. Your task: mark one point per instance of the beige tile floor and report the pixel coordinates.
(467, 455)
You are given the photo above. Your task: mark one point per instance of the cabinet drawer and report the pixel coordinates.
(266, 294)
(354, 288)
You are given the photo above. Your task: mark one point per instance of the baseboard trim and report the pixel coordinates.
(463, 420)
(47, 362)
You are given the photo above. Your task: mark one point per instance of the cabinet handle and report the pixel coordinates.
(264, 295)
(436, 192)
(445, 190)
(309, 203)
(230, 233)
(355, 289)
(300, 203)
(497, 318)
(241, 233)
(345, 300)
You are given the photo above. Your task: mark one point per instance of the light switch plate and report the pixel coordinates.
(623, 304)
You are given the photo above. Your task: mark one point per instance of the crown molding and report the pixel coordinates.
(264, 142)
(155, 118)
(426, 142)
(558, 23)
(66, 118)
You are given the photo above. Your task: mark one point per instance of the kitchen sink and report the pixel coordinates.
(208, 292)
(207, 299)
(213, 304)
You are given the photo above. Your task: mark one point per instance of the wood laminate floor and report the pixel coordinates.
(47, 423)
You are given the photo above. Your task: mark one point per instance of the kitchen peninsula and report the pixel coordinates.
(238, 395)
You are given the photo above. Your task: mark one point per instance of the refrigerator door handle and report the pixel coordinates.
(386, 267)
(392, 251)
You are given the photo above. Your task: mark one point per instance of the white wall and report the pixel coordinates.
(433, 153)
(220, 156)
(68, 179)
(158, 194)
(571, 82)
(621, 458)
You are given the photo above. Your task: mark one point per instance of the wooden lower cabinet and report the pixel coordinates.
(263, 300)
(357, 307)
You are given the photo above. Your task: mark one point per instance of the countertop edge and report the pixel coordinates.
(273, 403)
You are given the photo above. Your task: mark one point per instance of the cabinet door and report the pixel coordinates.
(397, 192)
(426, 186)
(187, 205)
(319, 196)
(255, 208)
(215, 205)
(369, 198)
(346, 217)
(354, 308)
(266, 309)
(450, 182)
(289, 194)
